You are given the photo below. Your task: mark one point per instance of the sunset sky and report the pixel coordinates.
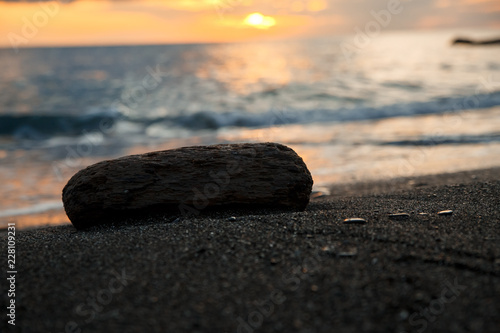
(114, 22)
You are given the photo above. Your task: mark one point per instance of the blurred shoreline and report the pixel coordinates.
(55, 216)
(223, 266)
(406, 105)
(343, 155)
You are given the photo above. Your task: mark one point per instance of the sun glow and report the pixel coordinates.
(260, 21)
(30, 23)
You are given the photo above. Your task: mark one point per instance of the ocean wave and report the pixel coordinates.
(40, 127)
(446, 140)
(37, 208)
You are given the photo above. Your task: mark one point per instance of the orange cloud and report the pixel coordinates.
(308, 5)
(178, 5)
(317, 5)
(82, 22)
(111, 22)
(483, 6)
(431, 22)
(444, 3)
(108, 23)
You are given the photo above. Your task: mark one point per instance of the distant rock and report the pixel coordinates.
(188, 180)
(466, 41)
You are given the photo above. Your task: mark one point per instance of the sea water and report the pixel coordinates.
(403, 104)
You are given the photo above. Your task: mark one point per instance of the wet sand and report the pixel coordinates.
(268, 271)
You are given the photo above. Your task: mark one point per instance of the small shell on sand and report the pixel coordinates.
(445, 212)
(355, 220)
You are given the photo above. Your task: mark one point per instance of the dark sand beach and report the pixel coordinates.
(265, 271)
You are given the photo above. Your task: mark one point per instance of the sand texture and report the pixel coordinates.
(269, 271)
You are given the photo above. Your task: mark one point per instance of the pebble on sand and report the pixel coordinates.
(445, 212)
(355, 220)
(320, 192)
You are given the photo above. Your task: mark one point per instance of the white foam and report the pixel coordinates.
(38, 208)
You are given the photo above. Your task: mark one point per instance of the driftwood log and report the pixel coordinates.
(188, 180)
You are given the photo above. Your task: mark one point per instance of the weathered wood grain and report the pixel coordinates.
(188, 180)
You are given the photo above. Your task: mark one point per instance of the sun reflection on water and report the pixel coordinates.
(247, 68)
